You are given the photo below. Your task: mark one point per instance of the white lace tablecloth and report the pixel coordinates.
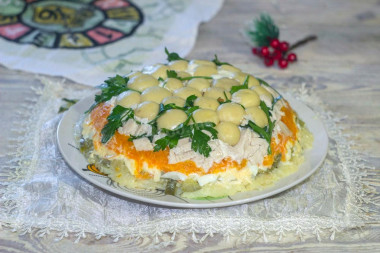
(39, 192)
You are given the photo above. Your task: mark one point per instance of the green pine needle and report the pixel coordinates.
(263, 31)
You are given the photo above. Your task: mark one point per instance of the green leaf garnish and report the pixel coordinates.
(166, 107)
(191, 110)
(192, 77)
(69, 103)
(271, 123)
(240, 87)
(135, 137)
(190, 101)
(173, 74)
(169, 140)
(199, 139)
(225, 100)
(260, 131)
(198, 143)
(266, 132)
(219, 63)
(111, 87)
(173, 56)
(261, 81)
(117, 117)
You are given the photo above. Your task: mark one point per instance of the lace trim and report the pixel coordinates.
(362, 195)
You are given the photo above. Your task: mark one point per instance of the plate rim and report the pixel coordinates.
(146, 200)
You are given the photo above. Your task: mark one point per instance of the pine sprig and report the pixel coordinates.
(263, 31)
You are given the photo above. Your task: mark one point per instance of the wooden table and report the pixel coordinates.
(344, 66)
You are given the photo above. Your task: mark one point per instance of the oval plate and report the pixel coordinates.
(313, 159)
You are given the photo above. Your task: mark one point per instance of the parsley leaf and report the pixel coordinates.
(240, 87)
(166, 107)
(192, 77)
(135, 137)
(225, 99)
(261, 81)
(169, 140)
(207, 126)
(173, 56)
(69, 103)
(111, 87)
(266, 132)
(117, 117)
(267, 112)
(199, 143)
(260, 131)
(190, 101)
(199, 139)
(173, 74)
(219, 63)
(191, 110)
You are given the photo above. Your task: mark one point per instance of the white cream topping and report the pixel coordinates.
(223, 73)
(191, 68)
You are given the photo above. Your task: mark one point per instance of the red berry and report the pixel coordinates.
(292, 57)
(268, 61)
(284, 46)
(282, 63)
(274, 43)
(277, 55)
(265, 51)
(255, 51)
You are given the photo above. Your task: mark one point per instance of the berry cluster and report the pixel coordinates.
(277, 51)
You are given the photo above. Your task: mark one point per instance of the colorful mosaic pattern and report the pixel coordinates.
(69, 24)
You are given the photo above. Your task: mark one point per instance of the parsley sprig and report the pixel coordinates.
(199, 139)
(240, 87)
(69, 103)
(173, 74)
(173, 56)
(265, 132)
(111, 87)
(117, 117)
(196, 131)
(219, 63)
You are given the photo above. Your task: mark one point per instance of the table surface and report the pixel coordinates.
(343, 64)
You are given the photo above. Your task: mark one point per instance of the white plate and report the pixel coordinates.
(313, 159)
